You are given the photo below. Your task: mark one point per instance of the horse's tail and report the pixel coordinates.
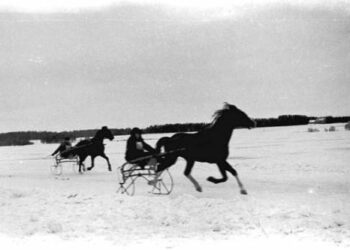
(162, 142)
(77, 149)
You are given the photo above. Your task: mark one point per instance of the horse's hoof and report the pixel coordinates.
(109, 169)
(88, 169)
(243, 191)
(199, 189)
(211, 179)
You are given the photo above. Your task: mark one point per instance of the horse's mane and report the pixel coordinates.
(220, 113)
(217, 115)
(83, 142)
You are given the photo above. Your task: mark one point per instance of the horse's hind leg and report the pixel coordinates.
(164, 163)
(187, 173)
(223, 173)
(161, 143)
(107, 159)
(229, 168)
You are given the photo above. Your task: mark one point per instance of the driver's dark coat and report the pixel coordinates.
(132, 152)
(62, 147)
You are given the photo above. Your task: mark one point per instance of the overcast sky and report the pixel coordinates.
(84, 64)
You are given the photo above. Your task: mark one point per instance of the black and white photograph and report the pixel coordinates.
(163, 124)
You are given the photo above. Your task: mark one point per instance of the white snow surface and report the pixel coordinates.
(298, 187)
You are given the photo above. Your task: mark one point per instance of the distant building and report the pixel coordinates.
(347, 126)
(319, 120)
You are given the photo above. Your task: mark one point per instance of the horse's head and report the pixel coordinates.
(236, 117)
(106, 133)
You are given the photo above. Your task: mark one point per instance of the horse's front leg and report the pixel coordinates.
(80, 164)
(222, 170)
(107, 159)
(229, 168)
(187, 173)
(92, 163)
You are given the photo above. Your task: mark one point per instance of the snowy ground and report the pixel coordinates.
(298, 184)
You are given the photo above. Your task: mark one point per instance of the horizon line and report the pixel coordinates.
(88, 129)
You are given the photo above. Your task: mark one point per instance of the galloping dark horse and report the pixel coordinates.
(209, 145)
(91, 147)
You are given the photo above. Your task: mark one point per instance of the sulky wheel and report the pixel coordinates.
(126, 182)
(128, 187)
(56, 169)
(164, 184)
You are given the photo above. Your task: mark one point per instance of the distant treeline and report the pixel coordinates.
(15, 138)
(284, 120)
(292, 120)
(176, 127)
(25, 138)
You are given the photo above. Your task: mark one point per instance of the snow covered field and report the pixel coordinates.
(298, 187)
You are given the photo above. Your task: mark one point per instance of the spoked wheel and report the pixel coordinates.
(164, 185)
(56, 169)
(126, 180)
(128, 187)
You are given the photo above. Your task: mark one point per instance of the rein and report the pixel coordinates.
(157, 155)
